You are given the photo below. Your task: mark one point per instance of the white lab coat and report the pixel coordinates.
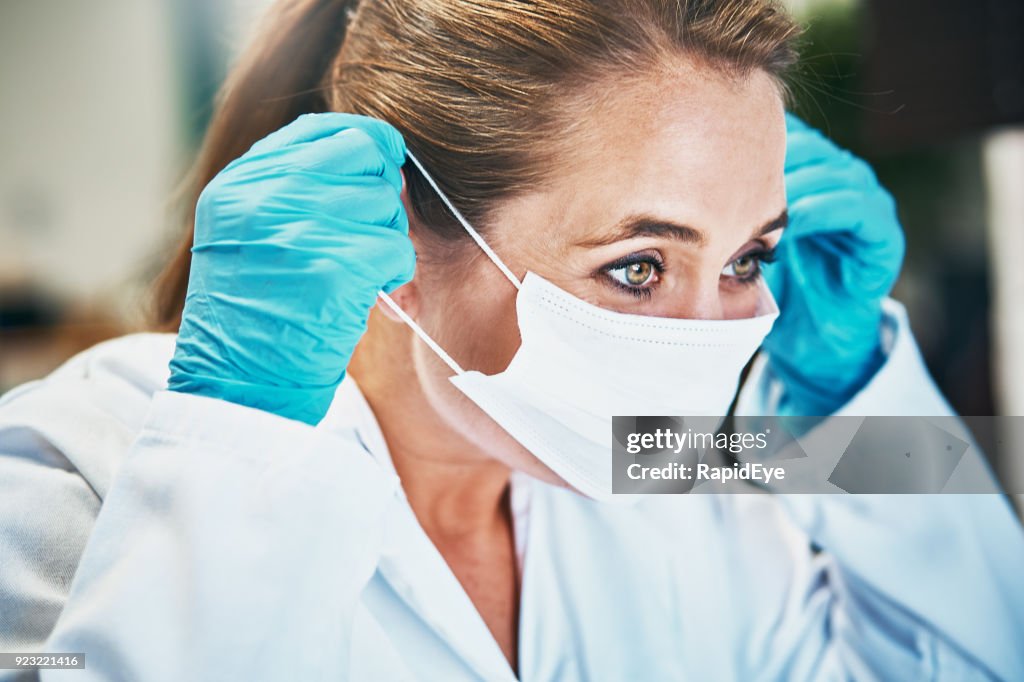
(174, 537)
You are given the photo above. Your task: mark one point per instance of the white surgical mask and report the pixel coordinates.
(578, 365)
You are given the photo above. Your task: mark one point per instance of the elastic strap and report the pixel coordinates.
(433, 345)
(448, 360)
(465, 224)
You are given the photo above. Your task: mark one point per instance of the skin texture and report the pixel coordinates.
(686, 144)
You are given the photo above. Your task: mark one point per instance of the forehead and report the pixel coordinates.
(691, 145)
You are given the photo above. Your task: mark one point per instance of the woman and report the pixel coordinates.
(308, 493)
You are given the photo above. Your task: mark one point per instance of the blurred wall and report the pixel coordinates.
(103, 105)
(89, 146)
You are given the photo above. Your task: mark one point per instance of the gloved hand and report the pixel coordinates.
(292, 242)
(837, 261)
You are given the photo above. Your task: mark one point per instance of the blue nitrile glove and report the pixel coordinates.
(292, 242)
(836, 263)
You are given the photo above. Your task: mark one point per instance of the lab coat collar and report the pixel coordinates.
(350, 412)
(410, 562)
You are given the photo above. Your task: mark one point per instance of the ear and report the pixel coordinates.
(406, 297)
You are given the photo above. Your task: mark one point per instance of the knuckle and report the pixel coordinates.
(372, 146)
(389, 200)
(360, 139)
(398, 217)
(862, 169)
(207, 200)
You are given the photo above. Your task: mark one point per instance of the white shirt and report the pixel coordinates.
(207, 540)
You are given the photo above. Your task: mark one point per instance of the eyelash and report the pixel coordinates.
(762, 255)
(641, 292)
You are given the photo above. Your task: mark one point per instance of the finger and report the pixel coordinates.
(818, 178)
(827, 260)
(371, 200)
(362, 198)
(387, 138)
(839, 211)
(405, 269)
(306, 128)
(808, 147)
(795, 123)
(352, 152)
(373, 258)
(312, 127)
(844, 255)
(872, 218)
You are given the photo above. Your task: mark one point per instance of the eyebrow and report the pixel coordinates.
(646, 226)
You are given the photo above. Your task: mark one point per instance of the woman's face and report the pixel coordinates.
(672, 193)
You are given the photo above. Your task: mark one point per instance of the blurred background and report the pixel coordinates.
(103, 105)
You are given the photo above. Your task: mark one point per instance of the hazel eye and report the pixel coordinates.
(747, 268)
(743, 267)
(635, 274)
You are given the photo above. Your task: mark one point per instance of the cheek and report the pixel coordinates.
(475, 323)
(740, 302)
(464, 417)
(465, 304)
(473, 317)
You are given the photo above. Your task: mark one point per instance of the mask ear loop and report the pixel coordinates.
(465, 223)
(448, 360)
(433, 345)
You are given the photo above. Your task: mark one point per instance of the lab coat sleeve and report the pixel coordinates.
(233, 544)
(46, 514)
(906, 586)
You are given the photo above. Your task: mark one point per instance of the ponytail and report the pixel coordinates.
(278, 78)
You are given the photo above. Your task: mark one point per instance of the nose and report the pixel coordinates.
(711, 301)
(702, 303)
